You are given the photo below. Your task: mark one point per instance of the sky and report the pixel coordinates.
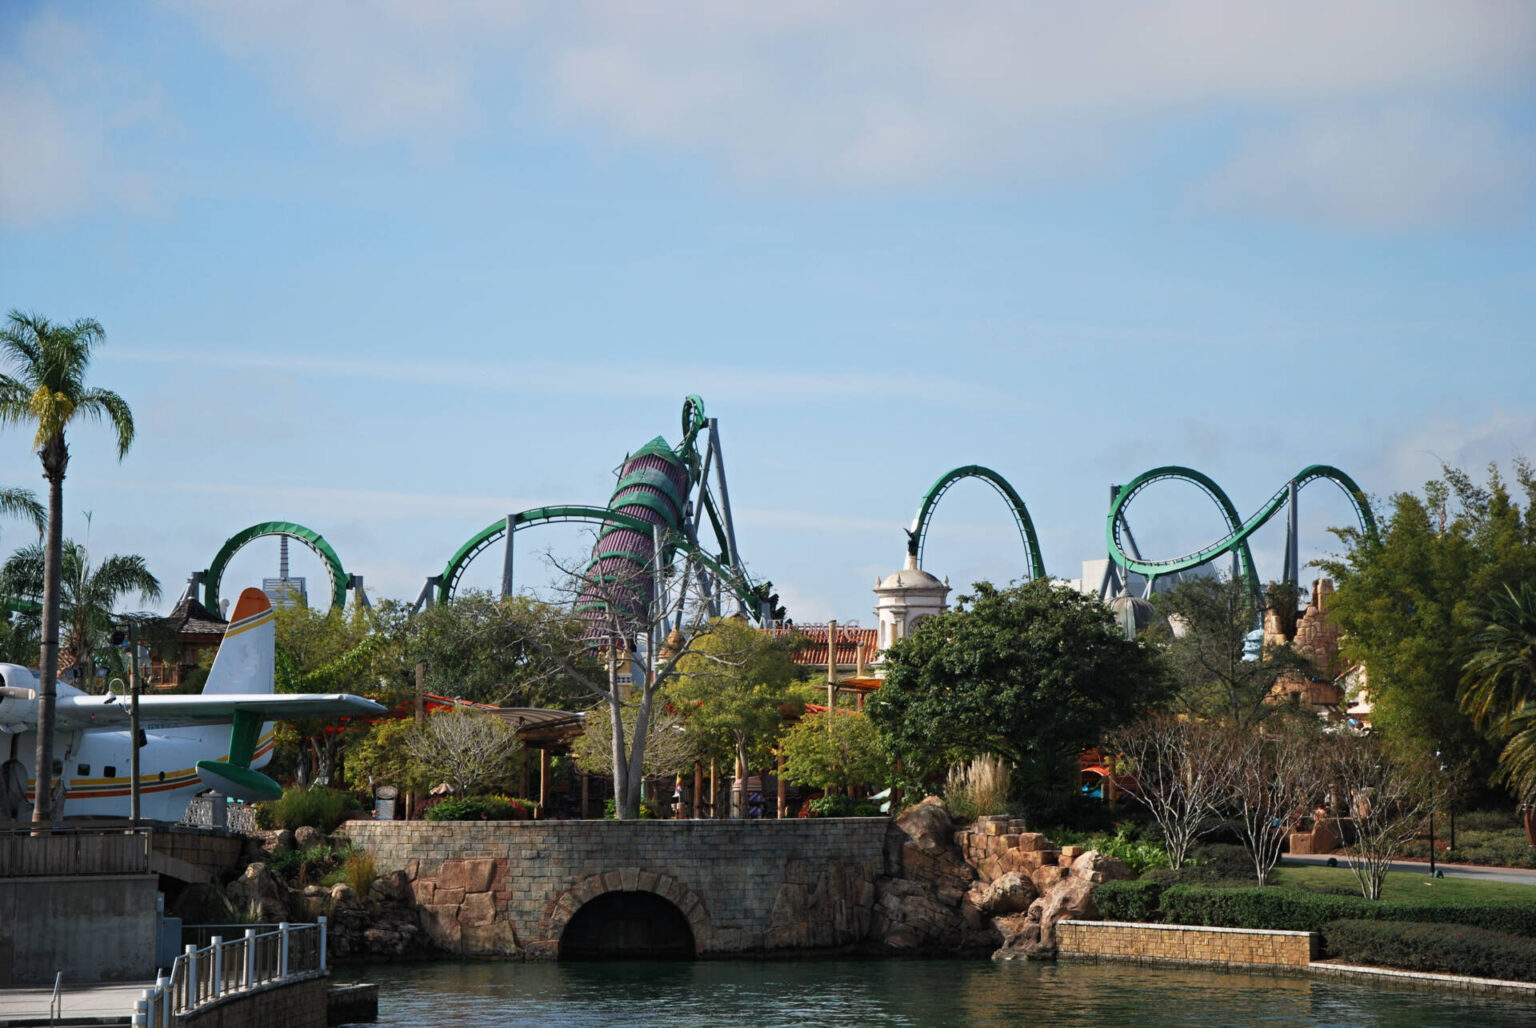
(392, 270)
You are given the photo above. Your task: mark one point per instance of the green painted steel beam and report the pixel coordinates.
(919, 532)
(454, 569)
(310, 538)
(1239, 531)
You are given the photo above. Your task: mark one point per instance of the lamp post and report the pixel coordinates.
(134, 688)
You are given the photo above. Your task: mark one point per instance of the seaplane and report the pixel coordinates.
(215, 740)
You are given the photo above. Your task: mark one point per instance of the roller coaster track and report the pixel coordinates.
(1118, 538)
(339, 579)
(448, 583)
(917, 535)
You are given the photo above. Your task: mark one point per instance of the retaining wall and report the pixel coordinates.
(295, 1003)
(508, 888)
(94, 928)
(1184, 944)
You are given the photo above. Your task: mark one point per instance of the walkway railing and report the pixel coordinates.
(200, 977)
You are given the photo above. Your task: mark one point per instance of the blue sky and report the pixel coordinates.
(393, 269)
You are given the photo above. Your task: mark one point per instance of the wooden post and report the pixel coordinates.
(421, 691)
(831, 671)
(781, 780)
(586, 781)
(698, 786)
(714, 788)
(544, 779)
(522, 774)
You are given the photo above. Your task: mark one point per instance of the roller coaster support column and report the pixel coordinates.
(506, 559)
(355, 583)
(733, 558)
(659, 591)
(428, 595)
(1292, 538)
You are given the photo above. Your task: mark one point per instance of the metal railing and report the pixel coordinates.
(202, 976)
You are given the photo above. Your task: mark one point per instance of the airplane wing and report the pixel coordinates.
(111, 711)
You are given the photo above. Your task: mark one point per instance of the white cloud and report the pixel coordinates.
(1399, 168)
(892, 94)
(61, 112)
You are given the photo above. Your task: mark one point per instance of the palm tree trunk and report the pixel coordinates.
(55, 458)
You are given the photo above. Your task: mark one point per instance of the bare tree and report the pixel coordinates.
(467, 749)
(1182, 774)
(1389, 796)
(1277, 772)
(641, 621)
(667, 751)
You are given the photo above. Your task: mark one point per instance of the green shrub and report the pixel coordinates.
(1126, 843)
(1432, 947)
(1129, 901)
(320, 858)
(317, 806)
(611, 811)
(478, 808)
(842, 806)
(1297, 910)
(1226, 862)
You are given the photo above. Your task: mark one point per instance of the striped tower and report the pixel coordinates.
(653, 485)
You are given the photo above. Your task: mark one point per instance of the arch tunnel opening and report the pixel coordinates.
(627, 926)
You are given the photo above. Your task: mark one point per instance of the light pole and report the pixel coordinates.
(134, 688)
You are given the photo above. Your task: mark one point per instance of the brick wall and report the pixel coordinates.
(1189, 944)
(508, 888)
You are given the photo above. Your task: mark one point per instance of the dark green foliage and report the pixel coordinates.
(478, 808)
(1129, 901)
(1408, 601)
(843, 806)
(1033, 673)
(1127, 843)
(1296, 910)
(610, 809)
(317, 807)
(1478, 952)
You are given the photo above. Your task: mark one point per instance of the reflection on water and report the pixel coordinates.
(747, 994)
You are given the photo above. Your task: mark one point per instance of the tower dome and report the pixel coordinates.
(904, 599)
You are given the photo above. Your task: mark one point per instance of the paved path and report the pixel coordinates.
(82, 1001)
(1517, 875)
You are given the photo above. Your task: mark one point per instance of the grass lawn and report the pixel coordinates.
(1405, 886)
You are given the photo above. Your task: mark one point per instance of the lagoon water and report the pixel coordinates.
(867, 993)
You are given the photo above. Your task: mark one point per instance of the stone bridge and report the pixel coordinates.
(593, 888)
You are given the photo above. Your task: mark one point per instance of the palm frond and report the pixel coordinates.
(22, 503)
(99, 404)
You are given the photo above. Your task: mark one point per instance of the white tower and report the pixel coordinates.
(904, 599)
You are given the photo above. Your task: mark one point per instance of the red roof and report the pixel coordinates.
(813, 652)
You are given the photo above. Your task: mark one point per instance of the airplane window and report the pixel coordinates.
(82, 769)
(58, 767)
(110, 770)
(162, 776)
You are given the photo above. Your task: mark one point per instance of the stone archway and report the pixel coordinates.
(631, 880)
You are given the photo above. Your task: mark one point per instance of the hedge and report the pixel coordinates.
(1296, 910)
(1129, 901)
(1456, 949)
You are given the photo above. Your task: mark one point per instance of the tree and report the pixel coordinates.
(1408, 597)
(667, 750)
(619, 658)
(381, 756)
(736, 705)
(1205, 651)
(1182, 771)
(46, 386)
(473, 651)
(1499, 683)
(1389, 792)
(470, 750)
(21, 503)
(1277, 773)
(88, 595)
(1034, 673)
(836, 748)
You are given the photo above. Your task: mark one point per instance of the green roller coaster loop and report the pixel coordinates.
(918, 534)
(459, 562)
(340, 580)
(1236, 541)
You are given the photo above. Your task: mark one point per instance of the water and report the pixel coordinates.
(748, 994)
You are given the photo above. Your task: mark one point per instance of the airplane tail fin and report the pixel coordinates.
(244, 663)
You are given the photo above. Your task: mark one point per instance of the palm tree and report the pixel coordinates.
(20, 503)
(87, 595)
(46, 386)
(15, 642)
(1499, 689)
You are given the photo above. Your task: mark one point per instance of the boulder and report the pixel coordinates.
(259, 894)
(1071, 899)
(394, 887)
(307, 838)
(1010, 894)
(921, 903)
(344, 896)
(1099, 867)
(1021, 939)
